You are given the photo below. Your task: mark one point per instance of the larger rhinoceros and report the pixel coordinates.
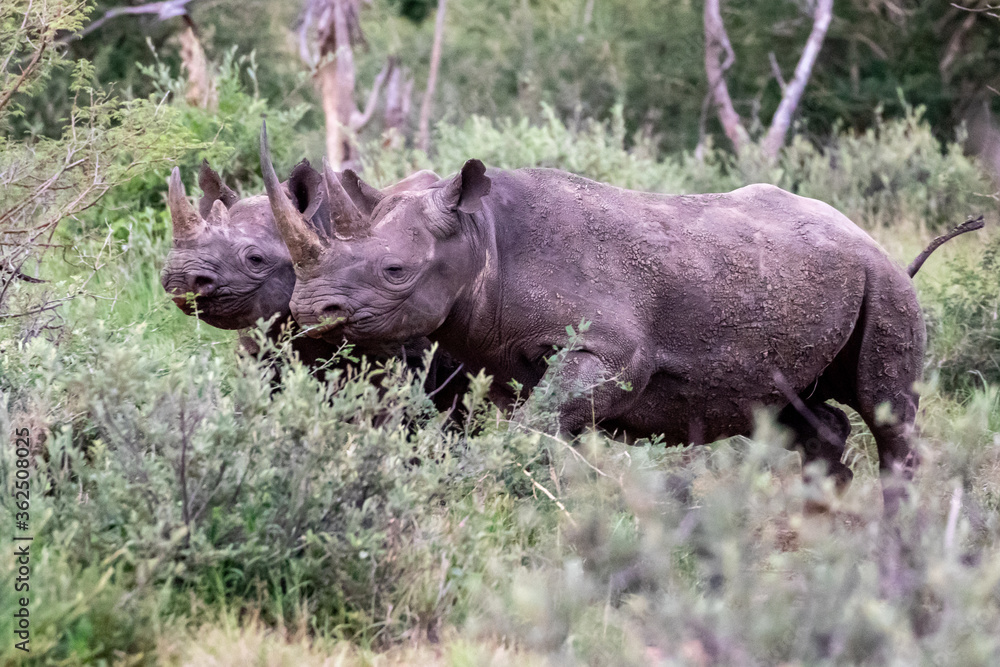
(702, 307)
(229, 266)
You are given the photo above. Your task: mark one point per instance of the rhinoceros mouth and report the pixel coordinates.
(328, 329)
(188, 302)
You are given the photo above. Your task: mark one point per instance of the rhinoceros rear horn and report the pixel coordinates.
(219, 215)
(303, 243)
(347, 220)
(466, 190)
(213, 190)
(364, 196)
(186, 220)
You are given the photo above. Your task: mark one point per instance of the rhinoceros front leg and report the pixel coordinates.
(586, 388)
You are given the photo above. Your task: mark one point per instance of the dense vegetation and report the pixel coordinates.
(183, 512)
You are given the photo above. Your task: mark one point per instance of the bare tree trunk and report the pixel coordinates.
(423, 131)
(336, 82)
(337, 27)
(719, 57)
(782, 120)
(201, 88)
(329, 91)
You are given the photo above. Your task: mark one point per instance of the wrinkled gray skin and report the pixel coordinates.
(708, 306)
(230, 267)
(229, 264)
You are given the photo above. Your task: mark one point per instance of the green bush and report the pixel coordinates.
(711, 556)
(896, 170)
(354, 510)
(962, 316)
(228, 136)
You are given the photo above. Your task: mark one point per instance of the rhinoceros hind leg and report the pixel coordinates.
(889, 362)
(821, 435)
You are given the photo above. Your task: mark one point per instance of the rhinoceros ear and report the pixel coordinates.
(364, 196)
(306, 187)
(466, 190)
(214, 190)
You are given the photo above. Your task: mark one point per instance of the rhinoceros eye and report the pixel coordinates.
(395, 273)
(255, 259)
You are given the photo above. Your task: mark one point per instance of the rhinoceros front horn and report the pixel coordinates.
(303, 243)
(186, 220)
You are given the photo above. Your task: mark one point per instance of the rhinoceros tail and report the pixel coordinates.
(969, 225)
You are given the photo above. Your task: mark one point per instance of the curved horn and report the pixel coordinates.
(186, 220)
(303, 243)
(348, 221)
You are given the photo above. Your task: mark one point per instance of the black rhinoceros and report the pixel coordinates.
(702, 308)
(229, 266)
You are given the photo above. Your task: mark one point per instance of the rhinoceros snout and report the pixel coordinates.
(325, 318)
(333, 309)
(202, 284)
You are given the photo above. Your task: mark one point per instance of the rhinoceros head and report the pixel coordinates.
(229, 266)
(391, 265)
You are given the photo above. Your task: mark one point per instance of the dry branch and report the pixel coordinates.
(782, 120)
(423, 131)
(719, 57)
(163, 10)
(336, 27)
(360, 119)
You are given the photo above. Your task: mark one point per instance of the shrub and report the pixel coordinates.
(103, 142)
(352, 509)
(895, 170)
(963, 322)
(228, 135)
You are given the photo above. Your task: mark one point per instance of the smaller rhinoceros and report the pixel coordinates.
(230, 268)
(228, 265)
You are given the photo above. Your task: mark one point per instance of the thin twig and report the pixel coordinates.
(550, 496)
(25, 73)
(570, 448)
(776, 70)
(445, 383)
(821, 429)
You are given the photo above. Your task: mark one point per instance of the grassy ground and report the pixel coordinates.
(183, 514)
